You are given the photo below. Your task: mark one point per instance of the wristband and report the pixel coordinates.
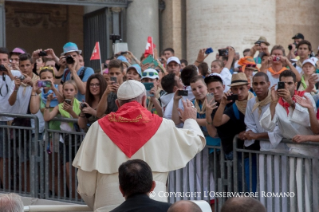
(47, 107)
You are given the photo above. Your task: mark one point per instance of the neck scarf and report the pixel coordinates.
(285, 104)
(262, 103)
(241, 105)
(200, 110)
(276, 73)
(299, 63)
(303, 82)
(130, 127)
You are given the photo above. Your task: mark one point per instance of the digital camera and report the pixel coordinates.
(22, 77)
(69, 59)
(44, 84)
(223, 52)
(3, 68)
(42, 53)
(276, 58)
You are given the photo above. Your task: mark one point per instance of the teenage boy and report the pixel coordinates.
(304, 50)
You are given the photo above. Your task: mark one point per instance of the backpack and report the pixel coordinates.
(81, 75)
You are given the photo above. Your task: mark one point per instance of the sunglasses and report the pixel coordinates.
(251, 66)
(150, 74)
(46, 67)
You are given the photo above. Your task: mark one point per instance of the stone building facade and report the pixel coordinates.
(185, 25)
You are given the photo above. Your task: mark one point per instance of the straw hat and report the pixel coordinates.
(262, 39)
(238, 79)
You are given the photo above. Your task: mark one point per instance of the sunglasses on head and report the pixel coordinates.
(151, 74)
(251, 66)
(46, 67)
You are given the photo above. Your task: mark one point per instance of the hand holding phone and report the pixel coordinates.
(113, 79)
(209, 50)
(148, 87)
(281, 85)
(232, 97)
(209, 98)
(182, 93)
(68, 101)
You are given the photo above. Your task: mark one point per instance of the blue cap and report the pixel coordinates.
(124, 60)
(70, 47)
(137, 69)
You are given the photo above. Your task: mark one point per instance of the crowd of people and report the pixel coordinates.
(261, 98)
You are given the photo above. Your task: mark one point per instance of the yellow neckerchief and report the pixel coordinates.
(262, 103)
(203, 110)
(241, 105)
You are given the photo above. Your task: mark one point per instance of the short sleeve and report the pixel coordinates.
(88, 72)
(230, 113)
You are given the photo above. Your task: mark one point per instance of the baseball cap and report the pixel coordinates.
(298, 36)
(130, 89)
(17, 50)
(124, 60)
(137, 69)
(209, 78)
(70, 47)
(312, 61)
(106, 71)
(150, 73)
(175, 59)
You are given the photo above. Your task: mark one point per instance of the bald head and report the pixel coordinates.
(184, 206)
(243, 204)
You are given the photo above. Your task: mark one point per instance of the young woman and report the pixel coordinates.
(95, 87)
(134, 72)
(70, 108)
(308, 76)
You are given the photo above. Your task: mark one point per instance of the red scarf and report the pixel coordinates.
(285, 104)
(130, 127)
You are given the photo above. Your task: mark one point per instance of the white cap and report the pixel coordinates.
(214, 74)
(175, 59)
(130, 89)
(311, 60)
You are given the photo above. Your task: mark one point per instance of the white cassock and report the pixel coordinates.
(280, 162)
(98, 160)
(297, 122)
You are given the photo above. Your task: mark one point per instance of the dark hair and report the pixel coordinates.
(203, 69)
(46, 70)
(196, 78)
(213, 79)
(169, 49)
(135, 177)
(261, 74)
(47, 59)
(168, 82)
(184, 61)
(243, 204)
(288, 73)
(4, 50)
(246, 50)
(24, 57)
(278, 47)
(89, 98)
(115, 63)
(305, 42)
(188, 73)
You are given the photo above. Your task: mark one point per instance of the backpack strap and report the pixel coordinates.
(236, 111)
(82, 73)
(298, 85)
(65, 74)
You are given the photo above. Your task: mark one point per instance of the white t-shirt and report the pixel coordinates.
(226, 76)
(6, 88)
(272, 80)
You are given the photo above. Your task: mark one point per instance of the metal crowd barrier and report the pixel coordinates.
(282, 180)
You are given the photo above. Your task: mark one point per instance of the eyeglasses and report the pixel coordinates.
(151, 74)
(95, 85)
(251, 66)
(46, 67)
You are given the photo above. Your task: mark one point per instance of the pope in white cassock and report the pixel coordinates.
(133, 133)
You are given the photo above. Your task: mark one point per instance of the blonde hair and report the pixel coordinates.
(72, 82)
(220, 63)
(11, 203)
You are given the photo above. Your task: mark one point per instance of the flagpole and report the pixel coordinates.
(152, 47)
(100, 58)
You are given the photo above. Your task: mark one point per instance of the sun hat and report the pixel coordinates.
(262, 39)
(70, 47)
(238, 79)
(150, 73)
(137, 68)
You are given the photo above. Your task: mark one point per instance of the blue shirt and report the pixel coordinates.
(88, 72)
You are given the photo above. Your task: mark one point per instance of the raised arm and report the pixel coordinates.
(220, 118)
(175, 114)
(35, 99)
(231, 55)
(13, 97)
(306, 102)
(47, 114)
(212, 131)
(291, 67)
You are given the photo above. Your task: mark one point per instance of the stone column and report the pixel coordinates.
(142, 21)
(294, 16)
(116, 20)
(2, 24)
(217, 24)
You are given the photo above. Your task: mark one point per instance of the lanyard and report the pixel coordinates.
(4, 80)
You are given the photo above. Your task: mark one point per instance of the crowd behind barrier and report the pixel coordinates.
(47, 177)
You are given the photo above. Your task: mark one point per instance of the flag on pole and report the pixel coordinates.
(149, 49)
(96, 52)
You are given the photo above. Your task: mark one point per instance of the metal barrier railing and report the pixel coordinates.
(47, 208)
(42, 168)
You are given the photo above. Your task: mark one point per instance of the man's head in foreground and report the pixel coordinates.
(11, 203)
(243, 204)
(135, 177)
(129, 91)
(184, 206)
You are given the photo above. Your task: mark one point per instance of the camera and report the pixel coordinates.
(115, 37)
(44, 84)
(276, 58)
(105, 65)
(22, 77)
(182, 92)
(232, 97)
(223, 52)
(290, 46)
(83, 105)
(258, 43)
(3, 68)
(42, 53)
(68, 101)
(69, 59)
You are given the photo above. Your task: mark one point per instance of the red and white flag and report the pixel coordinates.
(96, 52)
(149, 49)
